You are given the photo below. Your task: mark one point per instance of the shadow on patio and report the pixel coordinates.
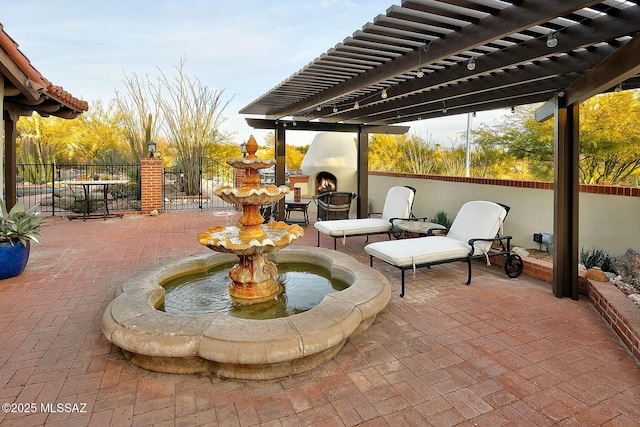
(498, 352)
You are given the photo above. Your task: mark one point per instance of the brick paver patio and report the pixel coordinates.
(499, 352)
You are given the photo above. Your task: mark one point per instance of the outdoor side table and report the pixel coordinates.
(420, 228)
(86, 205)
(301, 206)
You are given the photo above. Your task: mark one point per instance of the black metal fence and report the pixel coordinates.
(191, 184)
(46, 185)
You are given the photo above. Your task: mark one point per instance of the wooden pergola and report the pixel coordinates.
(23, 91)
(427, 59)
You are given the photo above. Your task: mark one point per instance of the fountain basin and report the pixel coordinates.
(237, 348)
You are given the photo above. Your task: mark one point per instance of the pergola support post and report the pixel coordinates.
(10, 170)
(363, 173)
(565, 203)
(280, 155)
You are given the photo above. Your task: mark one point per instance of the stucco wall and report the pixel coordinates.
(608, 221)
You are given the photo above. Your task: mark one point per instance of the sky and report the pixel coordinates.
(244, 47)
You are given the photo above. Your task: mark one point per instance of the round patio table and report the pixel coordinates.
(86, 187)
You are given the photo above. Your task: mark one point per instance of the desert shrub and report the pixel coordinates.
(597, 257)
(442, 219)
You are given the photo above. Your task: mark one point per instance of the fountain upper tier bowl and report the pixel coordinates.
(251, 162)
(240, 348)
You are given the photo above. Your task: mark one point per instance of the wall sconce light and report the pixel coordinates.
(152, 148)
(552, 41)
(243, 149)
(471, 65)
(384, 94)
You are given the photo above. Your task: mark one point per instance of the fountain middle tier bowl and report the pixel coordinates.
(237, 348)
(251, 196)
(277, 235)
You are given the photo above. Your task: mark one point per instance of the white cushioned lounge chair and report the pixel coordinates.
(397, 206)
(471, 235)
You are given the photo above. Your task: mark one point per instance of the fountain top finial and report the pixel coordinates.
(252, 147)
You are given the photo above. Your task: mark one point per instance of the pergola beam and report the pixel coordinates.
(619, 66)
(327, 127)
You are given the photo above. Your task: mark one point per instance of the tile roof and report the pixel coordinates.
(32, 91)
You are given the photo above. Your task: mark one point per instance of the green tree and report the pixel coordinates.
(419, 156)
(293, 154)
(609, 140)
(95, 132)
(452, 162)
(385, 152)
(518, 138)
(51, 134)
(79, 140)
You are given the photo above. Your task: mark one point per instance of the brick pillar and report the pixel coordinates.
(240, 173)
(151, 171)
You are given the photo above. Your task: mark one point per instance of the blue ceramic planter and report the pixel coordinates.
(13, 258)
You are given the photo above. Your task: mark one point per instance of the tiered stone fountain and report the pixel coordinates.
(252, 279)
(239, 348)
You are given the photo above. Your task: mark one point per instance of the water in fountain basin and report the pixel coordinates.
(305, 286)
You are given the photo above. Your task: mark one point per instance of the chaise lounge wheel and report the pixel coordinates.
(513, 266)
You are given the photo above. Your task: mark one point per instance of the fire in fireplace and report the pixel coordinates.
(325, 182)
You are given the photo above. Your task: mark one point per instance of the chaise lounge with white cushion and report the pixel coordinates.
(397, 206)
(471, 235)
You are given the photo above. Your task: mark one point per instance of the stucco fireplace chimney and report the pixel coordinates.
(331, 163)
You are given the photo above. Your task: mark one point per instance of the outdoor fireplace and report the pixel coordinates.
(325, 182)
(331, 164)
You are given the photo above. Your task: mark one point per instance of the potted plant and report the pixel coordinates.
(18, 228)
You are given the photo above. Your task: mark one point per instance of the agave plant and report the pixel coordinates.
(19, 224)
(442, 218)
(597, 257)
